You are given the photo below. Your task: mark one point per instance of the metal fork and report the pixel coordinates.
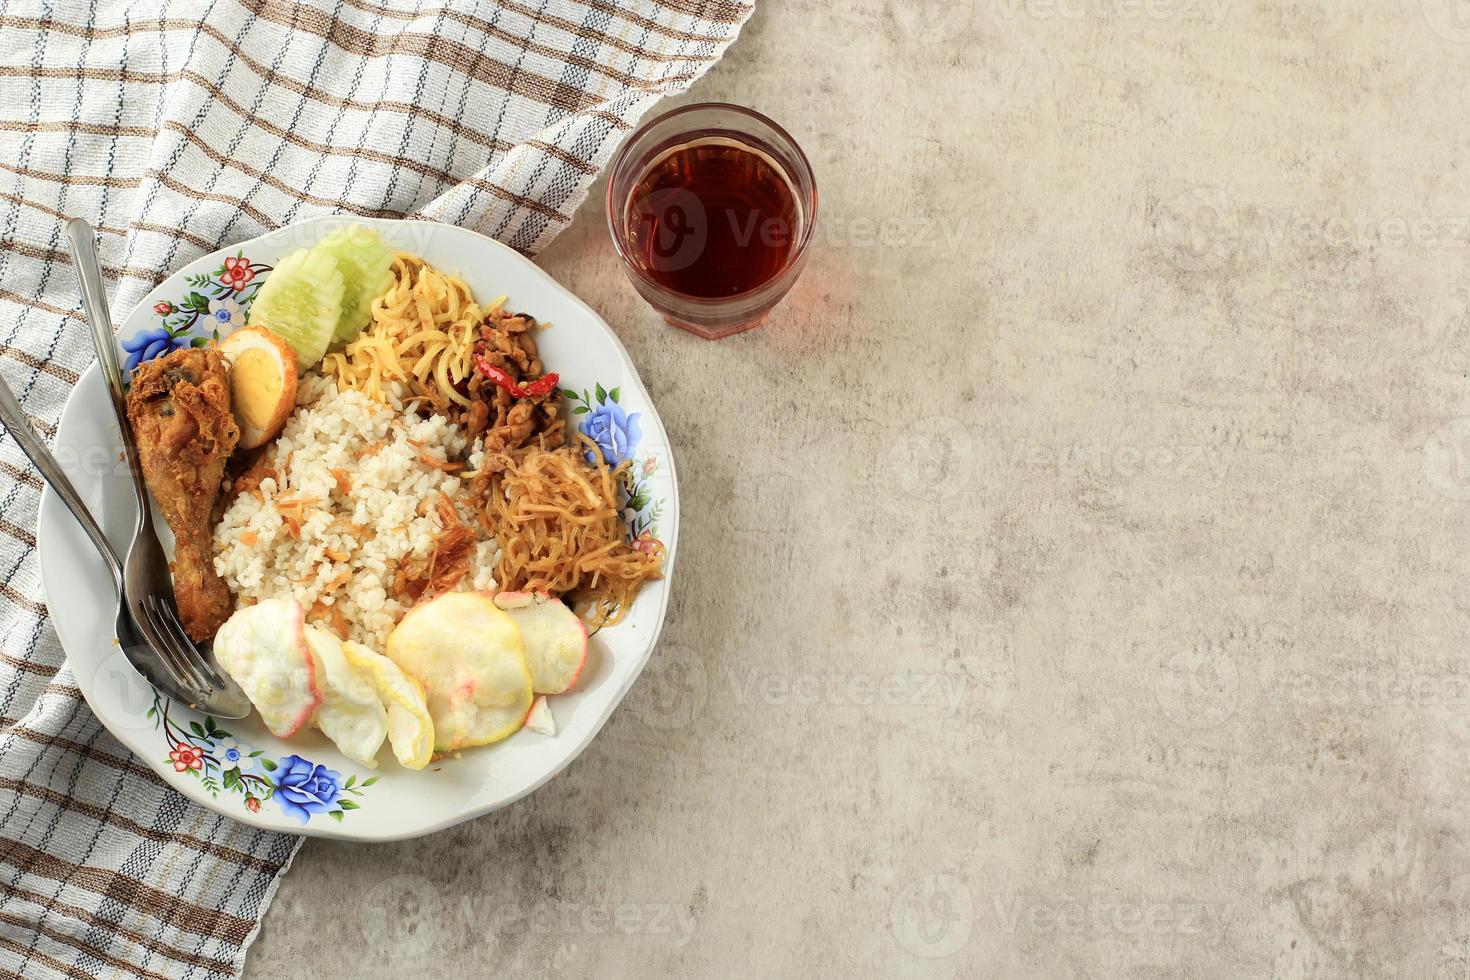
(146, 625)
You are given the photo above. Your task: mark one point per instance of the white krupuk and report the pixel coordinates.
(470, 658)
(410, 729)
(351, 715)
(540, 720)
(263, 647)
(555, 639)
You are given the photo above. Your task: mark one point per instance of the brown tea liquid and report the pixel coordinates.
(713, 217)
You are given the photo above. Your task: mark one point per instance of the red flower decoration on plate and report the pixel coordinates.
(648, 544)
(163, 309)
(237, 273)
(187, 756)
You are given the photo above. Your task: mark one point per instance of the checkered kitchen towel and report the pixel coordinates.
(177, 126)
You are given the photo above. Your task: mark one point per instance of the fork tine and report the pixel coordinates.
(159, 639)
(164, 638)
(169, 658)
(147, 630)
(142, 633)
(195, 656)
(175, 637)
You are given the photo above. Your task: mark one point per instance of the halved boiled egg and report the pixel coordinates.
(350, 713)
(470, 658)
(262, 383)
(410, 729)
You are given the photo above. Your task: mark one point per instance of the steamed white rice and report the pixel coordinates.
(388, 490)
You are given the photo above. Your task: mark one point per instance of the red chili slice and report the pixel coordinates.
(543, 385)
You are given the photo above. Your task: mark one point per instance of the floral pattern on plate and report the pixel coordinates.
(618, 433)
(214, 306)
(300, 788)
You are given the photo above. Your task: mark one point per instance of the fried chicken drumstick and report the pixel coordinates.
(179, 409)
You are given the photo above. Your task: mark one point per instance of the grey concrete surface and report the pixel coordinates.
(1071, 572)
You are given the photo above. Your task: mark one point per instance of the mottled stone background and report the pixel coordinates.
(1070, 575)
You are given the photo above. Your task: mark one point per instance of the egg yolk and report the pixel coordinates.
(257, 387)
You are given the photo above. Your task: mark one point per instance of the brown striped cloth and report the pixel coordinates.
(176, 127)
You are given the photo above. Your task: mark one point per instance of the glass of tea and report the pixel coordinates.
(711, 207)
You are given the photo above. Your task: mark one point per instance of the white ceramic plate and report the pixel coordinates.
(303, 785)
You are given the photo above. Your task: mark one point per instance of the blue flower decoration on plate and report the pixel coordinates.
(303, 788)
(615, 430)
(148, 344)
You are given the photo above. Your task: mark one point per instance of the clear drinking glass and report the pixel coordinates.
(711, 207)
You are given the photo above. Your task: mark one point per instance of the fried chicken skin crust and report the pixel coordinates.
(179, 410)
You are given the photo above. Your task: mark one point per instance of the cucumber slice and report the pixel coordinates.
(366, 262)
(301, 302)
